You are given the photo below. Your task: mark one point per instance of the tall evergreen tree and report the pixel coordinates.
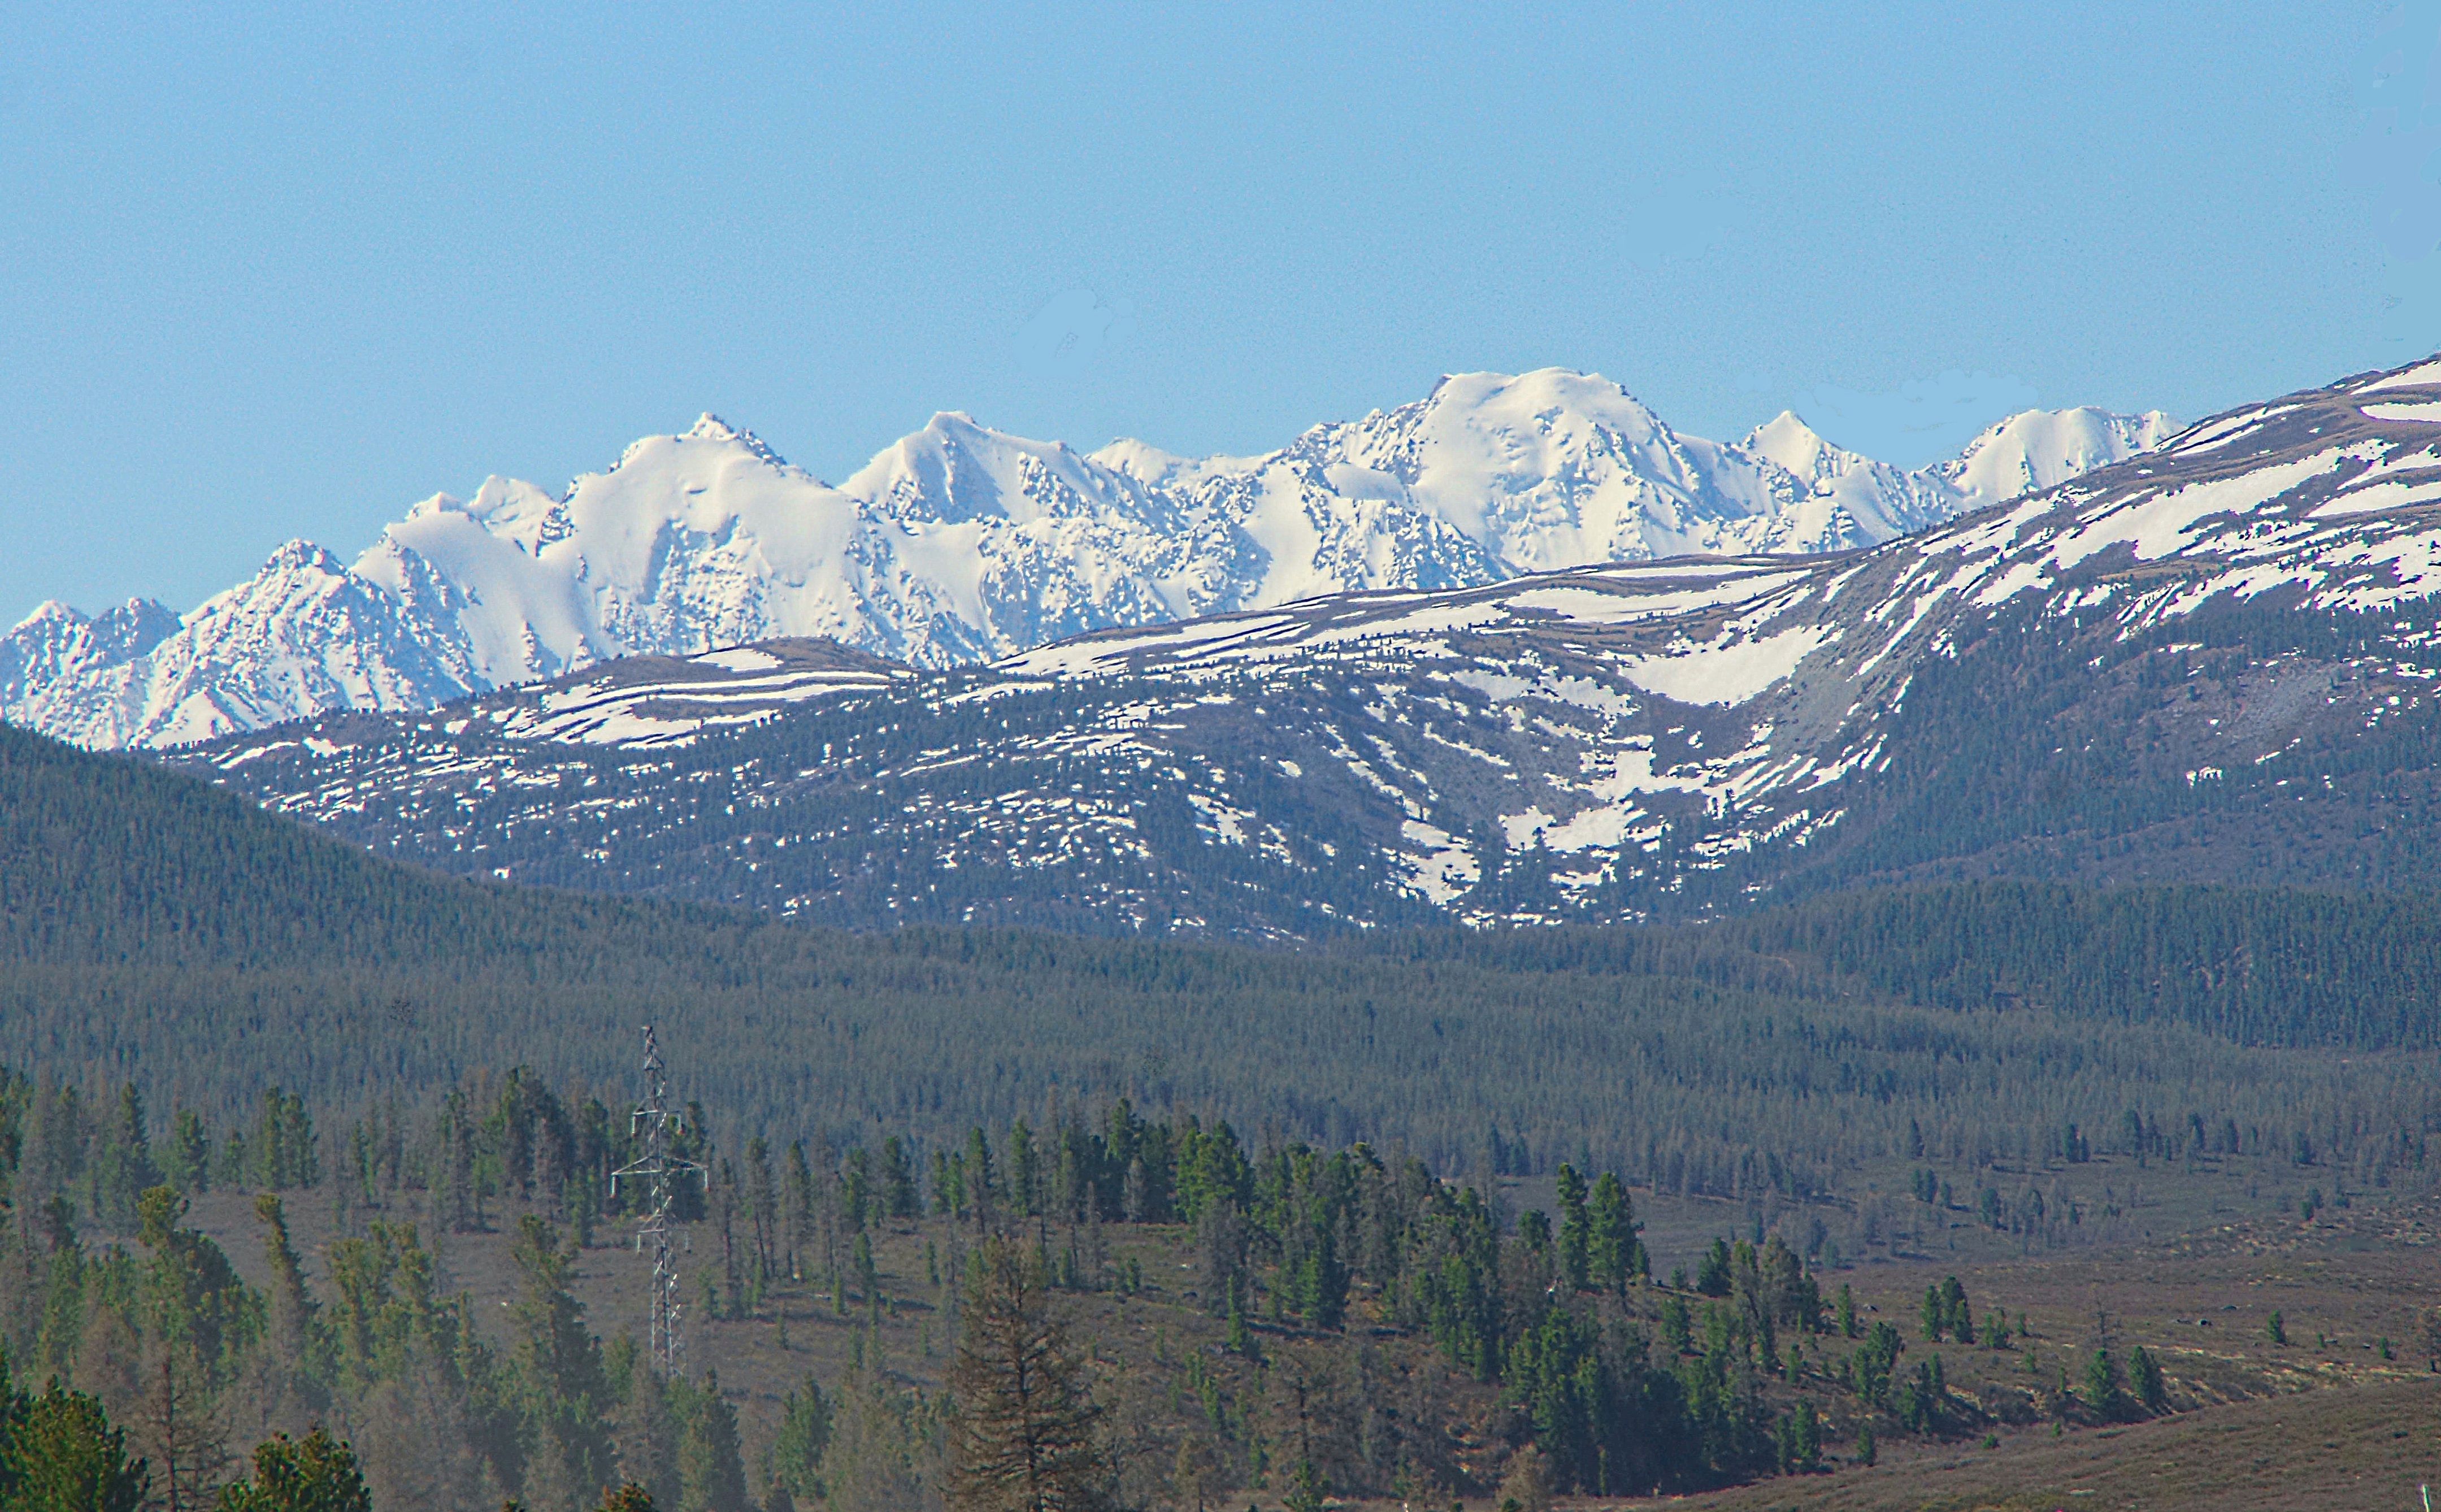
(795, 1459)
(1613, 1253)
(187, 1161)
(298, 1343)
(1576, 1233)
(899, 1195)
(1023, 1435)
(562, 1391)
(712, 1467)
(122, 1164)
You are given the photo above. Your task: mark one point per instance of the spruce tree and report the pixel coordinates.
(298, 1343)
(1955, 1312)
(2104, 1394)
(899, 1179)
(193, 1295)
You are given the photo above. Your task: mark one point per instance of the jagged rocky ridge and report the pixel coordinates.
(961, 544)
(2212, 662)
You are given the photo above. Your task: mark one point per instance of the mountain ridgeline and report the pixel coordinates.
(2212, 662)
(151, 921)
(960, 544)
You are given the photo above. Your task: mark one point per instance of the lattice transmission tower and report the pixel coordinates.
(661, 1171)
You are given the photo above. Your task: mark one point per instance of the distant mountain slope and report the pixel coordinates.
(149, 925)
(961, 544)
(2213, 661)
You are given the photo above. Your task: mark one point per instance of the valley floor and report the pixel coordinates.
(2345, 1415)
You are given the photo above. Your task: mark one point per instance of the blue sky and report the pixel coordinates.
(281, 275)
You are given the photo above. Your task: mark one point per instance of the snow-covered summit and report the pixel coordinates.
(960, 543)
(2043, 448)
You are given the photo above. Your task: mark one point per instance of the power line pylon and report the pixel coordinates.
(661, 1171)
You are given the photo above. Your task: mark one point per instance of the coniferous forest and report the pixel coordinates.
(1372, 1218)
(1407, 1317)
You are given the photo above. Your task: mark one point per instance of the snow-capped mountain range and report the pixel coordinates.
(2215, 661)
(962, 543)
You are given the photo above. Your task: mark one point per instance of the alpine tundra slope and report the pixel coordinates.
(2210, 661)
(961, 544)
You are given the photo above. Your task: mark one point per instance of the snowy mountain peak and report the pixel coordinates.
(48, 614)
(960, 543)
(1791, 442)
(299, 556)
(1556, 401)
(56, 645)
(2042, 448)
(1141, 460)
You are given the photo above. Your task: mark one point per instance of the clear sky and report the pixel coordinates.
(282, 274)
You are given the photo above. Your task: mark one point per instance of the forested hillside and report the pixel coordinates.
(151, 921)
(198, 996)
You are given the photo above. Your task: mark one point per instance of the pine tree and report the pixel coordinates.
(298, 1343)
(63, 1454)
(2150, 1389)
(188, 1163)
(122, 1166)
(1307, 1488)
(712, 1469)
(1613, 1252)
(1023, 1436)
(1712, 1276)
(315, 1473)
(795, 1458)
(763, 1207)
(2104, 1394)
(1955, 1312)
(193, 1297)
(897, 1179)
(558, 1364)
(1575, 1237)
(286, 1152)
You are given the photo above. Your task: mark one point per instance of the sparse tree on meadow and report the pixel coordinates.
(1023, 1436)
